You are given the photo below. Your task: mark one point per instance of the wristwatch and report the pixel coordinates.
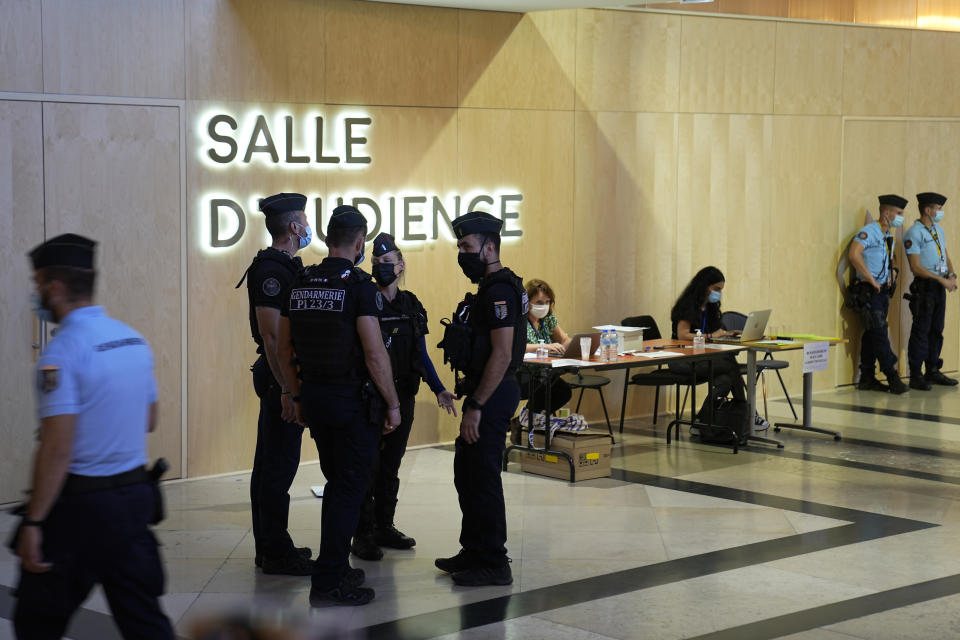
(470, 403)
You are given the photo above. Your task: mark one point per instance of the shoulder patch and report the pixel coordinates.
(271, 287)
(379, 301)
(500, 309)
(863, 235)
(48, 379)
(908, 243)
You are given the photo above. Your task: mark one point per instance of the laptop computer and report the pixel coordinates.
(753, 328)
(573, 349)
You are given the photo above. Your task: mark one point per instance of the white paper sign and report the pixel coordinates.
(815, 356)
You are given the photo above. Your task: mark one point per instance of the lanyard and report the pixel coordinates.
(886, 246)
(540, 336)
(703, 322)
(936, 238)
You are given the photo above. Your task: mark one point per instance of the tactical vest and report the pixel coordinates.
(323, 325)
(466, 340)
(401, 330)
(294, 265)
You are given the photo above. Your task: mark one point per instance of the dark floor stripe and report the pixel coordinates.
(863, 526)
(632, 449)
(893, 413)
(839, 611)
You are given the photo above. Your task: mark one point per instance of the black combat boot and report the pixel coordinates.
(896, 384)
(919, 381)
(365, 547)
(937, 377)
(393, 538)
(870, 383)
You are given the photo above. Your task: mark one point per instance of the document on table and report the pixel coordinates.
(659, 354)
(570, 362)
(775, 342)
(721, 347)
(617, 327)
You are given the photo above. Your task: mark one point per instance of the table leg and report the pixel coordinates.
(807, 412)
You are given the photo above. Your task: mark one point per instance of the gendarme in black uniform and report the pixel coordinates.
(277, 455)
(337, 396)
(500, 301)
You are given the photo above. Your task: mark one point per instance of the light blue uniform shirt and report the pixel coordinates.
(100, 370)
(875, 255)
(930, 244)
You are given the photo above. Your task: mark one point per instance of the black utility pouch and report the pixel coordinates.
(160, 467)
(376, 407)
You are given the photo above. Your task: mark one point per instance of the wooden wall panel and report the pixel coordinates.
(876, 68)
(390, 54)
(517, 61)
(770, 8)
(901, 13)
(805, 196)
(809, 74)
(124, 200)
(933, 90)
(628, 61)
(827, 10)
(938, 14)
(727, 65)
(931, 160)
(251, 50)
(21, 229)
(138, 53)
(21, 62)
(625, 210)
(873, 164)
(724, 201)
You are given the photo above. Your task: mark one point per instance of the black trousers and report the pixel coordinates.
(476, 474)
(875, 344)
(275, 464)
(560, 394)
(98, 537)
(726, 375)
(347, 443)
(926, 332)
(380, 505)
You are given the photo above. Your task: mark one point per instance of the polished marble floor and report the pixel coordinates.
(821, 540)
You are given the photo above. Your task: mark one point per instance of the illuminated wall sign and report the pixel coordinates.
(317, 142)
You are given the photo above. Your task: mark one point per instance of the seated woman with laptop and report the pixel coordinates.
(698, 308)
(542, 324)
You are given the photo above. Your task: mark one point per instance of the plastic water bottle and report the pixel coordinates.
(698, 340)
(542, 353)
(604, 346)
(614, 346)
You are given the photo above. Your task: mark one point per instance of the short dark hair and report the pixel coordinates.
(339, 238)
(279, 224)
(78, 282)
(490, 237)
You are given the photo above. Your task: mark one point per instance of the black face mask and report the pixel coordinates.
(472, 265)
(383, 274)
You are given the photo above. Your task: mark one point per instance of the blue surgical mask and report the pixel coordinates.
(938, 216)
(714, 297)
(306, 239)
(42, 312)
(897, 221)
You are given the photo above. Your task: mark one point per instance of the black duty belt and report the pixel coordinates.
(76, 484)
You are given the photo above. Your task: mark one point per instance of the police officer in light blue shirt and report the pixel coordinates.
(871, 254)
(926, 247)
(92, 498)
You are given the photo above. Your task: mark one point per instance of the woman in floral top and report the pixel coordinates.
(542, 324)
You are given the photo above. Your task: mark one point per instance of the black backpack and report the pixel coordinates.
(731, 422)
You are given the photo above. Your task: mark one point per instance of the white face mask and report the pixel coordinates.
(539, 310)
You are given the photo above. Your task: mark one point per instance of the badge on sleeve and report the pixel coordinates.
(271, 287)
(379, 301)
(500, 309)
(48, 378)
(908, 243)
(863, 235)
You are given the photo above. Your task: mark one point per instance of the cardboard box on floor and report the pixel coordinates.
(589, 449)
